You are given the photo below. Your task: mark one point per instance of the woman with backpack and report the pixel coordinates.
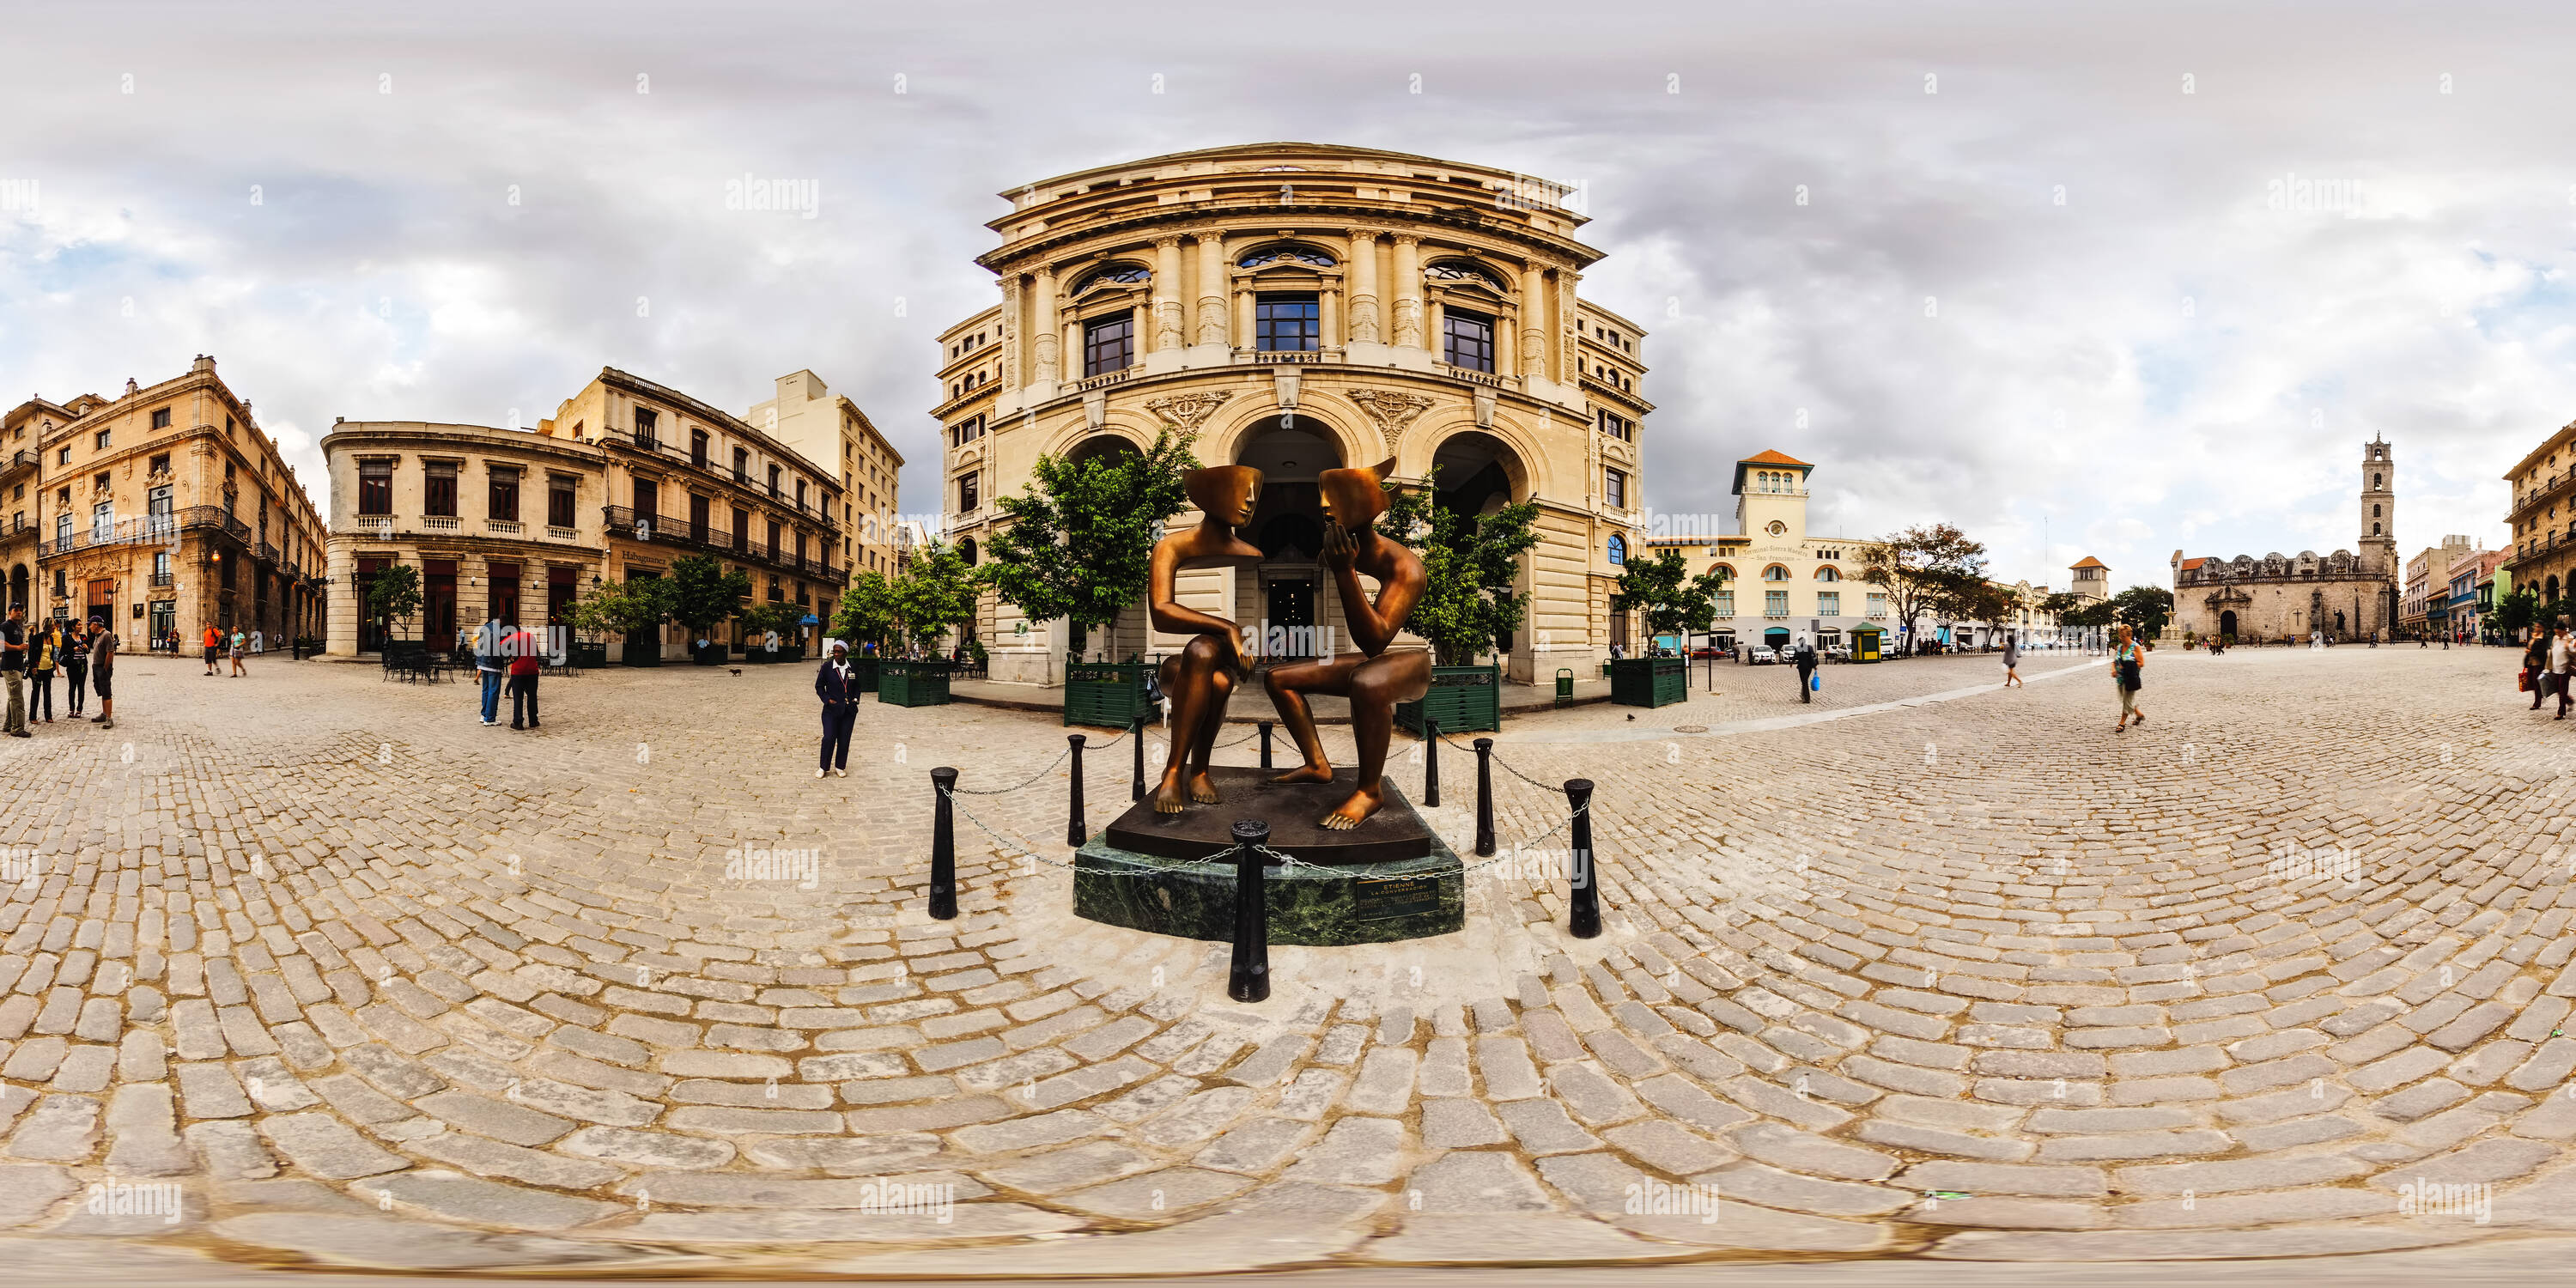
(2126, 663)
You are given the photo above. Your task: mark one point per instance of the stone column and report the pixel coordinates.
(1048, 329)
(1328, 319)
(1431, 330)
(1243, 319)
(1533, 348)
(1408, 291)
(1363, 280)
(1167, 292)
(1011, 332)
(1211, 289)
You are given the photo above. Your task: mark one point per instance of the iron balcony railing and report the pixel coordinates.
(664, 530)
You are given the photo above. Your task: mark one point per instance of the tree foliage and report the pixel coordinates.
(936, 591)
(395, 593)
(1662, 592)
(1923, 569)
(1470, 564)
(2145, 609)
(704, 592)
(622, 607)
(2519, 608)
(1078, 541)
(866, 611)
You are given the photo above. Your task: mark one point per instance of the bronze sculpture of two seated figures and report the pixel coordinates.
(1201, 677)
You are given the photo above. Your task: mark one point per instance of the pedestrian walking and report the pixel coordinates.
(75, 668)
(213, 642)
(1806, 659)
(490, 668)
(526, 666)
(13, 665)
(44, 655)
(840, 709)
(2562, 665)
(102, 672)
(2012, 660)
(2535, 668)
(240, 648)
(2126, 665)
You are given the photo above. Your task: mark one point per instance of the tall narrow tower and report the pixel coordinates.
(2378, 509)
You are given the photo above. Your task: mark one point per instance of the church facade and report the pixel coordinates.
(2349, 596)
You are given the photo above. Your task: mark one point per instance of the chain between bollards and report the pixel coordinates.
(943, 846)
(1583, 918)
(1249, 979)
(1484, 797)
(1074, 832)
(1430, 763)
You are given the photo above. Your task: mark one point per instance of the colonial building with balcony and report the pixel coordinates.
(1781, 581)
(162, 512)
(2542, 558)
(825, 427)
(1302, 307)
(517, 524)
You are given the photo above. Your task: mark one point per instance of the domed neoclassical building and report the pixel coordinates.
(1303, 307)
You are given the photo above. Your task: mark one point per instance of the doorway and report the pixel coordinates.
(2227, 624)
(1289, 621)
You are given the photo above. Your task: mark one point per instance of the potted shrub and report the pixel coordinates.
(1470, 564)
(1656, 587)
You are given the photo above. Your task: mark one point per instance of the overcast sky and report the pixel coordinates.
(2053, 270)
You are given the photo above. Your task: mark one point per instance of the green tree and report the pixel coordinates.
(866, 611)
(1078, 541)
(703, 592)
(770, 622)
(1469, 566)
(2145, 609)
(621, 608)
(395, 593)
(936, 591)
(1924, 569)
(1662, 592)
(2519, 608)
(1984, 603)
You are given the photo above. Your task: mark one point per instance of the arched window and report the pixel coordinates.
(966, 550)
(1828, 573)
(1618, 549)
(2374, 481)
(2374, 511)
(1116, 275)
(1775, 573)
(2374, 529)
(1285, 254)
(1461, 270)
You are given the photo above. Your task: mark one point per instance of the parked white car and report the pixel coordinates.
(1761, 654)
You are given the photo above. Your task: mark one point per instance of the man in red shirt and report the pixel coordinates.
(526, 662)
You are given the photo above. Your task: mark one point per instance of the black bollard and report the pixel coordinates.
(1484, 797)
(943, 847)
(1583, 919)
(1074, 832)
(1249, 981)
(1430, 763)
(1136, 731)
(1265, 742)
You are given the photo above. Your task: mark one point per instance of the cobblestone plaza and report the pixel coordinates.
(315, 970)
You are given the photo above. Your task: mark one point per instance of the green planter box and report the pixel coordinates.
(1649, 681)
(791, 653)
(1461, 698)
(912, 684)
(711, 655)
(863, 675)
(649, 657)
(589, 654)
(1106, 694)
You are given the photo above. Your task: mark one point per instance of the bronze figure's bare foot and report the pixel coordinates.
(1168, 797)
(1355, 811)
(1307, 774)
(1202, 789)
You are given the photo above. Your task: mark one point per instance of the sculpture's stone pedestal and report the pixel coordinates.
(1358, 902)
(1393, 834)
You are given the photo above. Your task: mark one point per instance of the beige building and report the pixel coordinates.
(2344, 595)
(164, 511)
(1302, 307)
(825, 427)
(2428, 585)
(2543, 518)
(627, 476)
(1783, 581)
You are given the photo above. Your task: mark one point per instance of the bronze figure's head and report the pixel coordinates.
(1224, 493)
(1354, 498)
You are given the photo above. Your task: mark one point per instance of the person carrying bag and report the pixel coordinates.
(2126, 667)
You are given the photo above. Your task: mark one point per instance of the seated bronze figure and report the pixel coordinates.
(1200, 677)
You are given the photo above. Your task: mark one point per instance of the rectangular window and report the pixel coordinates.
(505, 592)
(969, 491)
(1829, 603)
(741, 465)
(161, 464)
(503, 503)
(647, 431)
(965, 431)
(648, 499)
(1726, 603)
(1109, 344)
(161, 419)
(698, 448)
(773, 541)
(375, 487)
(1286, 324)
(1775, 603)
(1467, 340)
(559, 502)
(773, 480)
(741, 530)
(1616, 425)
(1877, 603)
(438, 490)
(100, 442)
(1614, 488)
(800, 494)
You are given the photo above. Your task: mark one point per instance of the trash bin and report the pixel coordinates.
(1565, 684)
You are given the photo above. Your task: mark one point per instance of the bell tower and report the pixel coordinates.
(2378, 509)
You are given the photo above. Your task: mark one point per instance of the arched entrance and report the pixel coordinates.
(18, 590)
(2227, 624)
(1283, 603)
(1476, 473)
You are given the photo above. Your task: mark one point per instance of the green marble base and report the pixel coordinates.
(1381, 903)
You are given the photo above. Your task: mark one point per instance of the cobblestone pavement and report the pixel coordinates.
(313, 970)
